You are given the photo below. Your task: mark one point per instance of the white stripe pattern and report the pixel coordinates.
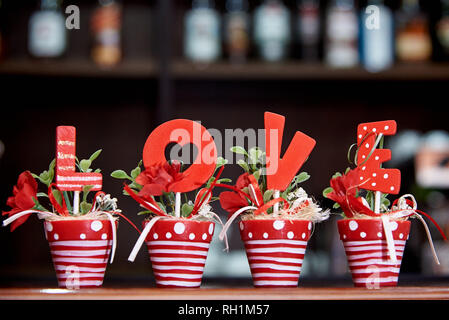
(275, 262)
(370, 263)
(78, 178)
(80, 263)
(177, 263)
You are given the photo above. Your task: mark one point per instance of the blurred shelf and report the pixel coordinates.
(78, 68)
(252, 70)
(397, 293)
(304, 71)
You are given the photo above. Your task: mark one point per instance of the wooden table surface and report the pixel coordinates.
(340, 293)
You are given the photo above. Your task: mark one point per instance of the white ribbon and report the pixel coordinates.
(406, 212)
(47, 214)
(150, 224)
(114, 234)
(231, 219)
(143, 235)
(389, 236)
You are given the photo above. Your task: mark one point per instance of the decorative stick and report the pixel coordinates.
(178, 204)
(76, 202)
(377, 197)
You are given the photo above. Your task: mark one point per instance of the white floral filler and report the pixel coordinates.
(104, 205)
(302, 207)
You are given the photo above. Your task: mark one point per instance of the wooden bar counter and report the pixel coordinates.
(211, 293)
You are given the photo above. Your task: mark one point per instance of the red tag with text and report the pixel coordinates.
(66, 177)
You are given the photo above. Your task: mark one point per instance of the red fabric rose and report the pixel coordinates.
(158, 179)
(232, 201)
(22, 199)
(344, 193)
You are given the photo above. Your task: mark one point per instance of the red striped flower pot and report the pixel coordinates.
(178, 250)
(367, 251)
(80, 251)
(275, 250)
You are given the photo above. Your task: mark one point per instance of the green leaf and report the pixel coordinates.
(336, 175)
(95, 155)
(347, 170)
(186, 209)
(254, 154)
(67, 200)
(86, 190)
(224, 180)
(57, 196)
(257, 174)
(327, 191)
(239, 150)
(85, 165)
(85, 207)
(267, 195)
(162, 206)
(243, 164)
(134, 185)
(43, 177)
(119, 174)
(303, 176)
(386, 202)
(336, 206)
(51, 171)
(135, 172)
(42, 194)
(221, 162)
(143, 212)
(97, 170)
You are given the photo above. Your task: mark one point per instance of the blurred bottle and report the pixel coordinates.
(47, 33)
(272, 30)
(341, 48)
(237, 30)
(413, 41)
(106, 25)
(308, 28)
(442, 27)
(202, 32)
(376, 36)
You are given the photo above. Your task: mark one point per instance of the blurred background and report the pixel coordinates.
(116, 70)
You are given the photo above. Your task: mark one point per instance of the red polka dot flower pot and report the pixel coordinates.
(80, 249)
(275, 250)
(367, 250)
(178, 251)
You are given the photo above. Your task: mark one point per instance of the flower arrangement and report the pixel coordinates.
(151, 188)
(177, 233)
(250, 191)
(74, 220)
(374, 231)
(27, 199)
(275, 238)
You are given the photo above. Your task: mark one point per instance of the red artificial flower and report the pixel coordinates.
(22, 199)
(344, 193)
(242, 181)
(232, 201)
(158, 178)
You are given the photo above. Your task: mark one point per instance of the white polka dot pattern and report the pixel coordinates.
(367, 251)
